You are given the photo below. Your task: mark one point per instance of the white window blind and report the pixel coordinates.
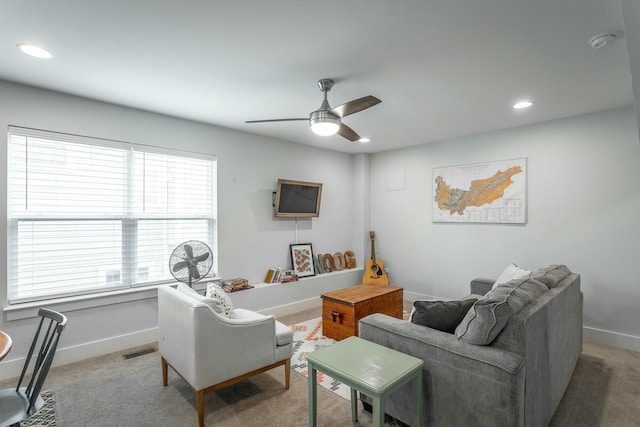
(91, 215)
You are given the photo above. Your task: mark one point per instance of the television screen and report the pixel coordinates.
(297, 199)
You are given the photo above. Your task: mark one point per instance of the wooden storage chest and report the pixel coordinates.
(342, 309)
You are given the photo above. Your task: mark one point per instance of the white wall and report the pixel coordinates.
(583, 203)
(583, 183)
(250, 240)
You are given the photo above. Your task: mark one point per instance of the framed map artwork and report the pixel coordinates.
(491, 192)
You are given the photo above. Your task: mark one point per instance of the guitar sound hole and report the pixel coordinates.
(375, 268)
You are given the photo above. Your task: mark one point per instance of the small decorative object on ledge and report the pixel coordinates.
(287, 276)
(234, 285)
(302, 259)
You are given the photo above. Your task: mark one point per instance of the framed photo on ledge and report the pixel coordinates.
(302, 259)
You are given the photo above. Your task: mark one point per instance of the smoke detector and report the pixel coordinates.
(602, 39)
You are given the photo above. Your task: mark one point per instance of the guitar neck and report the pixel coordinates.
(373, 250)
(373, 247)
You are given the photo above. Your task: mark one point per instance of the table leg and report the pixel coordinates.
(354, 405)
(417, 399)
(313, 401)
(378, 411)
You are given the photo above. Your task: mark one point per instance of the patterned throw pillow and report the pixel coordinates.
(215, 291)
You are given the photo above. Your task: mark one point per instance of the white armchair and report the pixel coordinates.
(210, 350)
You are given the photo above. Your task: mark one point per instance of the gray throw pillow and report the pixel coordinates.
(490, 314)
(441, 315)
(551, 275)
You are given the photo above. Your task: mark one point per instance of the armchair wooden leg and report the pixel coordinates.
(287, 373)
(200, 399)
(164, 371)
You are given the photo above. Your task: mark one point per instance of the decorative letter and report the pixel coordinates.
(329, 266)
(338, 261)
(349, 259)
(317, 261)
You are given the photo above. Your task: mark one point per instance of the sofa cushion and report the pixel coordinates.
(489, 315)
(215, 304)
(215, 291)
(441, 315)
(512, 272)
(551, 275)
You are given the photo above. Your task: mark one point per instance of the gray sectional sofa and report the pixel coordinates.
(516, 378)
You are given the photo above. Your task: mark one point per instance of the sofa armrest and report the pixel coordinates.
(481, 285)
(407, 337)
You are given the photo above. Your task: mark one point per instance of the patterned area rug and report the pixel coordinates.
(46, 416)
(307, 337)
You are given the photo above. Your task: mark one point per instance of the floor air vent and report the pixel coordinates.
(138, 353)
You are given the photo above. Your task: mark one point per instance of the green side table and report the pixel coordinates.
(369, 368)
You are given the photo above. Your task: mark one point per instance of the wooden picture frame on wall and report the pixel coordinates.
(302, 259)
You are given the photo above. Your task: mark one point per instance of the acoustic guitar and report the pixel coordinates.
(374, 269)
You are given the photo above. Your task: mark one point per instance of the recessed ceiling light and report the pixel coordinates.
(522, 104)
(364, 139)
(35, 51)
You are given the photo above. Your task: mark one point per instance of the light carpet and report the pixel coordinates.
(307, 337)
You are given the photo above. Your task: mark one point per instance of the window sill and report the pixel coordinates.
(83, 302)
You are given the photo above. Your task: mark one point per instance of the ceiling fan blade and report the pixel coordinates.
(277, 120)
(356, 105)
(346, 132)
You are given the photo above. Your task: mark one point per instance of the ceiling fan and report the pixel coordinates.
(325, 120)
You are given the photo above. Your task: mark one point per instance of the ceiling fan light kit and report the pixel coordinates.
(326, 121)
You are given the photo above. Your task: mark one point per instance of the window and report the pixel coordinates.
(91, 215)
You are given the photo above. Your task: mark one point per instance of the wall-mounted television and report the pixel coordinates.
(297, 199)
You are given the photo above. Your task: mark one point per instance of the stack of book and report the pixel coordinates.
(287, 276)
(273, 274)
(278, 275)
(233, 285)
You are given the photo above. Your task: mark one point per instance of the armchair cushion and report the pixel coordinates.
(215, 291)
(441, 315)
(215, 304)
(284, 334)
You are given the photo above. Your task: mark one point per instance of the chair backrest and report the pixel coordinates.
(43, 349)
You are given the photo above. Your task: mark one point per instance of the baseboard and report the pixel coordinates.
(415, 296)
(294, 307)
(611, 339)
(12, 368)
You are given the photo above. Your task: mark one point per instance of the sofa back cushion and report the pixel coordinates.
(551, 275)
(488, 316)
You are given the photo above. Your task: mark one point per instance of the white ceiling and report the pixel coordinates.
(442, 69)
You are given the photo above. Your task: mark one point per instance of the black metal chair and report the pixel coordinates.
(22, 402)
